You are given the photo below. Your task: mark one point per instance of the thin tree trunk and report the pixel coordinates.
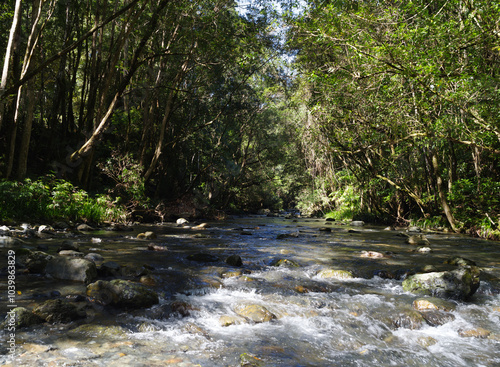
(442, 194)
(26, 137)
(6, 63)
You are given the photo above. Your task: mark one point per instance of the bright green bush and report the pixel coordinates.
(53, 199)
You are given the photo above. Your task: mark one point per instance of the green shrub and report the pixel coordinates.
(52, 199)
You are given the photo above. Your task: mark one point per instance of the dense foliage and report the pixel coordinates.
(404, 100)
(385, 111)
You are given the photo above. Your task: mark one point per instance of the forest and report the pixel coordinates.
(146, 110)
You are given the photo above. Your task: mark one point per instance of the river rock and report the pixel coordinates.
(372, 254)
(110, 269)
(71, 253)
(357, 223)
(155, 247)
(254, 312)
(84, 228)
(4, 230)
(459, 261)
(408, 319)
(96, 258)
(437, 318)
(461, 283)
(335, 274)
(34, 261)
(58, 310)
(228, 320)
(68, 245)
(282, 236)
(201, 226)
(475, 333)
(249, 360)
(8, 241)
(24, 317)
(286, 263)
(182, 221)
(234, 260)
(70, 268)
(98, 331)
(433, 304)
(202, 257)
(122, 293)
(46, 229)
(417, 240)
(146, 235)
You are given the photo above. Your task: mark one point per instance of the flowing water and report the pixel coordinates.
(361, 321)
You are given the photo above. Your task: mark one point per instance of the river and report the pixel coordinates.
(363, 320)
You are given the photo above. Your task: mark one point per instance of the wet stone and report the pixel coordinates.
(58, 310)
(335, 274)
(437, 318)
(286, 263)
(475, 333)
(234, 260)
(254, 312)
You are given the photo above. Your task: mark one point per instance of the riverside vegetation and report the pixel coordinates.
(380, 111)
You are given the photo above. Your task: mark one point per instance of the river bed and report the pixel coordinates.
(316, 321)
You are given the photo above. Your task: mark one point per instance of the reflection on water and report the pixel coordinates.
(367, 320)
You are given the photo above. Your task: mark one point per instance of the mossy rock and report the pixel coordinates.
(286, 263)
(23, 318)
(457, 284)
(122, 293)
(335, 274)
(58, 310)
(254, 312)
(98, 331)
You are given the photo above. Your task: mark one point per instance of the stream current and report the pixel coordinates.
(316, 321)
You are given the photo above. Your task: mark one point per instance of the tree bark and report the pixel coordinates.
(442, 195)
(6, 63)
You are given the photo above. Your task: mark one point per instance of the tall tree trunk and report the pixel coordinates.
(6, 63)
(442, 194)
(26, 137)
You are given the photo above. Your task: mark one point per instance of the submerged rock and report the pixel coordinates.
(71, 268)
(408, 319)
(417, 240)
(459, 261)
(286, 263)
(203, 257)
(437, 318)
(57, 310)
(335, 274)
(459, 284)
(98, 331)
(357, 223)
(234, 260)
(122, 293)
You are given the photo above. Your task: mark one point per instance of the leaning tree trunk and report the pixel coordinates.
(442, 194)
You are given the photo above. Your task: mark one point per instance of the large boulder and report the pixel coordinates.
(460, 284)
(72, 268)
(122, 293)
